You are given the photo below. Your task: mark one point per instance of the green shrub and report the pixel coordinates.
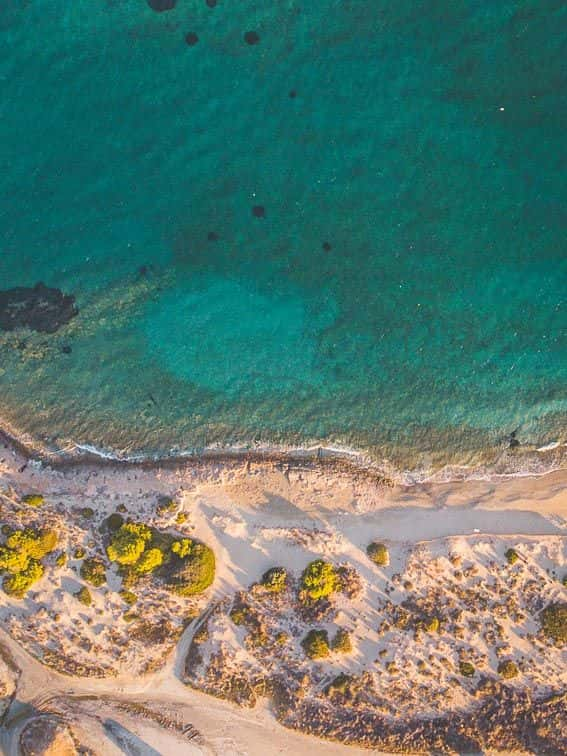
(128, 597)
(281, 638)
(149, 561)
(554, 622)
(6, 529)
(341, 685)
(130, 616)
(379, 554)
(84, 596)
(94, 572)
(316, 644)
(12, 560)
(274, 580)
(114, 522)
(192, 570)
(79, 553)
(122, 508)
(166, 506)
(35, 543)
(180, 518)
(87, 512)
(466, 669)
(565, 580)
(512, 556)
(342, 642)
(319, 579)
(33, 500)
(508, 670)
(17, 584)
(431, 625)
(61, 559)
(239, 615)
(128, 543)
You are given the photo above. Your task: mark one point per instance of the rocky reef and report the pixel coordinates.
(39, 308)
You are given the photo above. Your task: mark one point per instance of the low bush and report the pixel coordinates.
(79, 553)
(33, 500)
(342, 642)
(166, 506)
(114, 522)
(512, 556)
(431, 625)
(319, 579)
(341, 685)
(192, 568)
(87, 513)
(61, 559)
(94, 572)
(466, 669)
(554, 622)
(128, 543)
(149, 561)
(84, 596)
(379, 554)
(316, 644)
(180, 518)
(274, 580)
(18, 583)
(128, 597)
(239, 615)
(508, 670)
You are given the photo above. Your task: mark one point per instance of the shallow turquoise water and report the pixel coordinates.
(425, 144)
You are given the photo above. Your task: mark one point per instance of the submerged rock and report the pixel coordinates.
(161, 5)
(39, 308)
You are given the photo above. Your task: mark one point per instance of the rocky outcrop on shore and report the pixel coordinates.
(39, 308)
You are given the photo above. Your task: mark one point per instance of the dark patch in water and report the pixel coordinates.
(161, 5)
(259, 211)
(212, 236)
(327, 247)
(191, 38)
(211, 3)
(39, 308)
(252, 38)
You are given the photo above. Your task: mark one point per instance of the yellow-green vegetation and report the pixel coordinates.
(128, 543)
(466, 669)
(33, 500)
(508, 670)
(554, 622)
(166, 506)
(316, 644)
(238, 615)
(180, 518)
(130, 616)
(114, 522)
(128, 597)
(191, 569)
(274, 580)
(512, 556)
(94, 572)
(20, 558)
(281, 638)
(431, 625)
(340, 685)
(87, 512)
(61, 559)
(150, 560)
(84, 596)
(319, 579)
(79, 553)
(342, 642)
(378, 553)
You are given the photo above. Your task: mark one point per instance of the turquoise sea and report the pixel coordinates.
(403, 290)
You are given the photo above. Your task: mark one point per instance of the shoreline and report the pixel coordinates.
(343, 459)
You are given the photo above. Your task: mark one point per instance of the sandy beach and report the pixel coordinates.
(255, 515)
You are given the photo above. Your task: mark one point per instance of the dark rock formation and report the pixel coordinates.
(162, 5)
(39, 308)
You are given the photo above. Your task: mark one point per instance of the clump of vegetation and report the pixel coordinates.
(274, 580)
(166, 506)
(180, 518)
(316, 644)
(512, 556)
(466, 669)
(192, 568)
(554, 622)
(239, 615)
(281, 638)
(341, 685)
(128, 597)
(33, 500)
(379, 554)
(61, 559)
(130, 616)
(79, 553)
(431, 625)
(342, 642)
(114, 522)
(94, 572)
(87, 513)
(150, 560)
(508, 670)
(21, 557)
(128, 543)
(84, 596)
(319, 579)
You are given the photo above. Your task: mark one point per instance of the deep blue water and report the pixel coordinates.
(405, 290)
